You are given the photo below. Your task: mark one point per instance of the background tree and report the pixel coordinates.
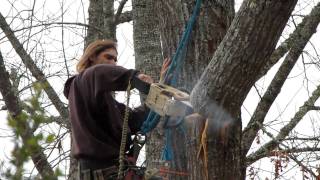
(229, 52)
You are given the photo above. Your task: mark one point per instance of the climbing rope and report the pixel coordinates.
(171, 77)
(124, 134)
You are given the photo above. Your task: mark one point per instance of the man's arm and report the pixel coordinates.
(103, 77)
(141, 85)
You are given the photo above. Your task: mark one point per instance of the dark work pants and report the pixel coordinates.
(109, 173)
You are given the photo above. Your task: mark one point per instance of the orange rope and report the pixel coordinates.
(168, 171)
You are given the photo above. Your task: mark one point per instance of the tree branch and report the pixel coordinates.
(241, 55)
(36, 72)
(58, 23)
(316, 108)
(125, 17)
(231, 73)
(13, 104)
(275, 86)
(96, 29)
(302, 165)
(299, 35)
(119, 11)
(272, 144)
(251, 159)
(288, 151)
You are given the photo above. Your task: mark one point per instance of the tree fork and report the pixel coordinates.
(231, 73)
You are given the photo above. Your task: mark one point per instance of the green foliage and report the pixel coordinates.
(50, 138)
(58, 173)
(26, 141)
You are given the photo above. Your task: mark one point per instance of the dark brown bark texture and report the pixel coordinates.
(212, 23)
(231, 73)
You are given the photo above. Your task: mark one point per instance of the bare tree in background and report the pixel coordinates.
(228, 53)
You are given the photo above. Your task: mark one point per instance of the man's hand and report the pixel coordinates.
(145, 78)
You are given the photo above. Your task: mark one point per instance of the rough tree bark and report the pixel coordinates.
(303, 33)
(231, 73)
(101, 21)
(148, 59)
(211, 25)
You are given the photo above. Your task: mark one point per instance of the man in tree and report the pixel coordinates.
(96, 117)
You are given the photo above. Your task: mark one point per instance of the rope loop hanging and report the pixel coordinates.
(124, 135)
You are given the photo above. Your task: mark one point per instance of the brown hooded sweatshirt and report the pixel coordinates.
(96, 117)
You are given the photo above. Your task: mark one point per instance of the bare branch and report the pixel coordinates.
(272, 144)
(289, 151)
(316, 138)
(125, 17)
(299, 35)
(302, 165)
(275, 86)
(36, 72)
(316, 108)
(119, 11)
(57, 23)
(251, 159)
(62, 42)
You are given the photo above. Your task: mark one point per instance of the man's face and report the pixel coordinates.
(108, 56)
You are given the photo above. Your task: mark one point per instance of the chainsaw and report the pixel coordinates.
(164, 99)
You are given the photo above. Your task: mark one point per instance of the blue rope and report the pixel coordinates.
(179, 56)
(167, 153)
(171, 78)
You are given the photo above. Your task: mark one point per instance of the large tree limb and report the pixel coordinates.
(36, 72)
(231, 73)
(242, 54)
(300, 34)
(272, 144)
(101, 16)
(310, 25)
(12, 102)
(125, 17)
(119, 11)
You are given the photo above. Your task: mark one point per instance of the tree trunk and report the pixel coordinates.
(101, 21)
(230, 75)
(210, 28)
(148, 59)
(146, 37)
